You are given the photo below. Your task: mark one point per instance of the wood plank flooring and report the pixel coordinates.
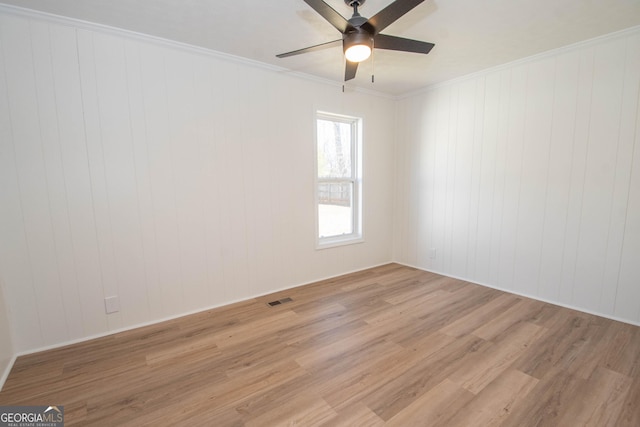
(389, 346)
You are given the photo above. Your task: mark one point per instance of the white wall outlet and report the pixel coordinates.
(432, 253)
(111, 305)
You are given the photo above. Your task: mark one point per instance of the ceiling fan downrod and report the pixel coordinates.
(355, 4)
(361, 35)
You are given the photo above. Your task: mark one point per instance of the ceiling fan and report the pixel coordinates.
(360, 35)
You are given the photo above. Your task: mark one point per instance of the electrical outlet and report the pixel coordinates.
(111, 305)
(432, 253)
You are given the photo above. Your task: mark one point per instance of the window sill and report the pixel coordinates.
(332, 242)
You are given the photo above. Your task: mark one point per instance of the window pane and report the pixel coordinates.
(334, 149)
(338, 183)
(335, 208)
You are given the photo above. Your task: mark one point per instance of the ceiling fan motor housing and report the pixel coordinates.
(358, 36)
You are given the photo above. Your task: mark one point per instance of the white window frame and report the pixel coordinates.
(356, 180)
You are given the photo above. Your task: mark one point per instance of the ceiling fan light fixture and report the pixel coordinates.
(359, 33)
(357, 53)
(358, 46)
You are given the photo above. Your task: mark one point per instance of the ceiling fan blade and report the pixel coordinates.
(391, 13)
(328, 13)
(350, 70)
(311, 48)
(383, 41)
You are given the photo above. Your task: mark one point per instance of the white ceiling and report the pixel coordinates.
(470, 35)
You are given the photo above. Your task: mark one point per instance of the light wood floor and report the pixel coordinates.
(387, 346)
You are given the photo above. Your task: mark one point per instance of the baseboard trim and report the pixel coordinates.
(9, 367)
(537, 298)
(7, 370)
(173, 317)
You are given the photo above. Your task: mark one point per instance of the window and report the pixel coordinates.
(338, 183)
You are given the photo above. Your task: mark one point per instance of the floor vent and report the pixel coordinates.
(279, 301)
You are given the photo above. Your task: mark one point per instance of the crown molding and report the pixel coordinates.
(529, 59)
(172, 44)
(185, 47)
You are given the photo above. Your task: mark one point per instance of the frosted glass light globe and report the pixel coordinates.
(358, 53)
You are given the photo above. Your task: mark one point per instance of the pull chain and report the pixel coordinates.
(373, 64)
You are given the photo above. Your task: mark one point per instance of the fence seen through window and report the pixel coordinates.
(338, 181)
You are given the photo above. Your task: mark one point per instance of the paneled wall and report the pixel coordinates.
(173, 178)
(6, 349)
(527, 177)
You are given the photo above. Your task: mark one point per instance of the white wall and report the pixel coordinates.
(174, 179)
(527, 177)
(180, 180)
(6, 342)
